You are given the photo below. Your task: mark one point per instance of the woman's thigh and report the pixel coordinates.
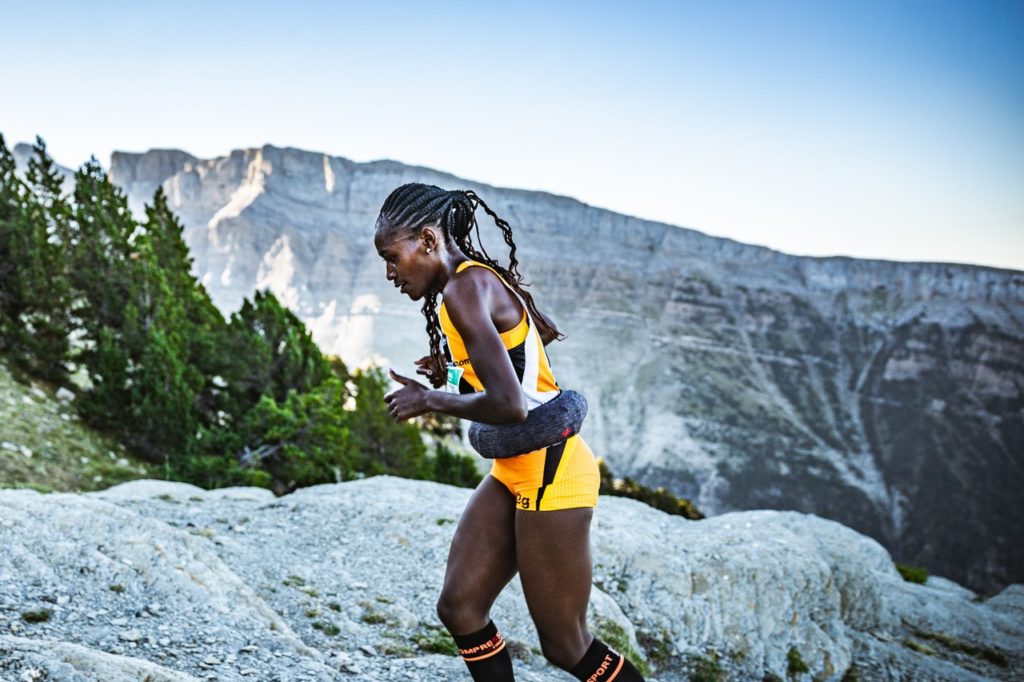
(482, 558)
(555, 568)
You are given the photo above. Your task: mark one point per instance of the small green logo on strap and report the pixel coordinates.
(454, 377)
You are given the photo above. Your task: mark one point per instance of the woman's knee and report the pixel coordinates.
(459, 614)
(566, 647)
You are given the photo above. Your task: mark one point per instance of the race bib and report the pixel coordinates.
(454, 377)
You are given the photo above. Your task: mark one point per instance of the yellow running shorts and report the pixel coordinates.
(562, 476)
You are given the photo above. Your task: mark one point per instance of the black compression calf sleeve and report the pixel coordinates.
(601, 663)
(486, 655)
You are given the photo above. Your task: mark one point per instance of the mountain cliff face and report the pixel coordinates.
(886, 396)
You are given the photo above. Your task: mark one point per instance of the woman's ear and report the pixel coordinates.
(430, 238)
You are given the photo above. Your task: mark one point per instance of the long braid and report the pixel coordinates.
(506, 231)
(414, 205)
(512, 274)
(433, 327)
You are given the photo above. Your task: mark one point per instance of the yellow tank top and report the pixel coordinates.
(525, 349)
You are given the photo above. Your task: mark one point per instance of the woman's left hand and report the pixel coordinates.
(408, 401)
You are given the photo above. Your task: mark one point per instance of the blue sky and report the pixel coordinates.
(870, 129)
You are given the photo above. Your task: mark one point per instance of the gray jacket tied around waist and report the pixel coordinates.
(556, 420)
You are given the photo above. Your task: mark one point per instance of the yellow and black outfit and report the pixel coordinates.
(562, 476)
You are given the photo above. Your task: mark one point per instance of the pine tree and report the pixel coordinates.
(303, 441)
(454, 469)
(103, 405)
(113, 293)
(160, 388)
(384, 446)
(272, 352)
(35, 295)
(12, 225)
(161, 420)
(204, 328)
(99, 250)
(48, 187)
(46, 282)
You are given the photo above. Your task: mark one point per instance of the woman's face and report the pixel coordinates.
(406, 262)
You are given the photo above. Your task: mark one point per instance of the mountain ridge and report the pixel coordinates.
(124, 159)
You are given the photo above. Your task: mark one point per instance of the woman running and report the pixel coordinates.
(532, 513)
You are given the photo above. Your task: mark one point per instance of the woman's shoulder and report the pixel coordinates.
(468, 279)
(464, 289)
(469, 265)
(478, 289)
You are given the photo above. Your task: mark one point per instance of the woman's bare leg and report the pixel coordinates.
(482, 559)
(555, 567)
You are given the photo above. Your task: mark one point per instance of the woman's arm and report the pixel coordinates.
(469, 299)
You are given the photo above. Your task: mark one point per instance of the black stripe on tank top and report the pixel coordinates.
(551, 461)
(518, 357)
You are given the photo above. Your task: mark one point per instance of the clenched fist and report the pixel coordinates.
(408, 401)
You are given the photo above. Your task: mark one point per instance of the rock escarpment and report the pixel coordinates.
(887, 396)
(338, 582)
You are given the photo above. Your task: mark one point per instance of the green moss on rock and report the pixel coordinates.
(612, 634)
(912, 574)
(794, 662)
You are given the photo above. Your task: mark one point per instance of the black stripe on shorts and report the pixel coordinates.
(551, 460)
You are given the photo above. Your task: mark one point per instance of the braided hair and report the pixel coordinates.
(415, 205)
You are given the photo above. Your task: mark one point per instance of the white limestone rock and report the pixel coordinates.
(22, 658)
(326, 574)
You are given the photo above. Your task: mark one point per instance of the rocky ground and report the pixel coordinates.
(151, 580)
